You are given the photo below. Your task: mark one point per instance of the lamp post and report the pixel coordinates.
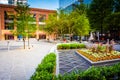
(98, 36)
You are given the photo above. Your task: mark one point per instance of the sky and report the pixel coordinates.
(4, 1)
(44, 4)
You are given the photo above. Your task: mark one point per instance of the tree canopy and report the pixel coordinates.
(98, 11)
(74, 23)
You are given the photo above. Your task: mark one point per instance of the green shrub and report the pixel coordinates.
(70, 46)
(45, 70)
(94, 73)
(111, 72)
(73, 46)
(49, 58)
(42, 75)
(81, 45)
(65, 46)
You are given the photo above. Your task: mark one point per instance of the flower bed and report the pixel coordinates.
(101, 56)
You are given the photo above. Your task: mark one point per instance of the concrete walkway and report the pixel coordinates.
(20, 64)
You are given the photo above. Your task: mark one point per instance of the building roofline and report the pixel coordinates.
(32, 9)
(40, 9)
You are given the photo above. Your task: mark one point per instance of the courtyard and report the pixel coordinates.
(19, 63)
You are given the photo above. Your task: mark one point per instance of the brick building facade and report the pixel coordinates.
(6, 17)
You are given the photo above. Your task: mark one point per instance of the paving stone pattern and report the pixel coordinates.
(69, 61)
(19, 63)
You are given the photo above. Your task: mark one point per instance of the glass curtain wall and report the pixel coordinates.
(67, 5)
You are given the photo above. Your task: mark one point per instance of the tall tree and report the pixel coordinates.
(97, 12)
(23, 22)
(56, 24)
(63, 22)
(112, 24)
(82, 26)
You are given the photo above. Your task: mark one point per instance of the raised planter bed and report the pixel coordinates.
(98, 63)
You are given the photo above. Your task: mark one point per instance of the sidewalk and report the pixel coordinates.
(20, 64)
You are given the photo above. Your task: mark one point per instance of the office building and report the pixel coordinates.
(68, 5)
(13, 2)
(6, 17)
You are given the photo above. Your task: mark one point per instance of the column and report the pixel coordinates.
(37, 25)
(2, 24)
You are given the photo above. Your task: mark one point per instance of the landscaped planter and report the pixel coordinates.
(99, 59)
(64, 46)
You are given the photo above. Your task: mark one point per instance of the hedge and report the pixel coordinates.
(70, 46)
(95, 73)
(45, 70)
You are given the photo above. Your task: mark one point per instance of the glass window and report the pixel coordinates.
(42, 18)
(9, 26)
(9, 15)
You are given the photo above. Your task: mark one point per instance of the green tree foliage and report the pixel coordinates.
(63, 22)
(81, 9)
(73, 23)
(98, 11)
(112, 20)
(23, 22)
(52, 21)
(51, 26)
(81, 22)
(117, 5)
(82, 26)
(56, 24)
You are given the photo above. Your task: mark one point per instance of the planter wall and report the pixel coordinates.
(99, 63)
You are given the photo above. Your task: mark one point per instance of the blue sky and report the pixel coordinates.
(44, 4)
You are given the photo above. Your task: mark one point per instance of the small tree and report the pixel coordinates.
(62, 23)
(80, 23)
(51, 24)
(23, 22)
(82, 26)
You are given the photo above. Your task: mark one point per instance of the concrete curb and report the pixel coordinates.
(99, 63)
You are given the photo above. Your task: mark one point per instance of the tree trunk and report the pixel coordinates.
(70, 36)
(80, 38)
(24, 42)
(28, 43)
